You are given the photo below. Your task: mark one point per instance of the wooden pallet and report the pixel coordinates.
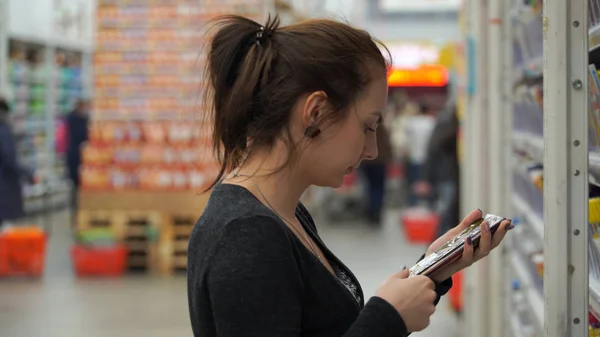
(139, 230)
(173, 243)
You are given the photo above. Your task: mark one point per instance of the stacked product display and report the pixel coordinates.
(148, 156)
(526, 255)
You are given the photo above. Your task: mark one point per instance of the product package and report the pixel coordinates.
(452, 250)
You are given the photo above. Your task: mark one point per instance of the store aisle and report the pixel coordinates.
(62, 306)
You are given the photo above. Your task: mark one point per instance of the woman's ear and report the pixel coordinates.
(315, 107)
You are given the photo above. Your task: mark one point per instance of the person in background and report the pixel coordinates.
(417, 131)
(441, 170)
(375, 173)
(77, 134)
(11, 173)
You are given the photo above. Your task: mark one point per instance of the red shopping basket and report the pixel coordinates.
(420, 226)
(22, 252)
(99, 261)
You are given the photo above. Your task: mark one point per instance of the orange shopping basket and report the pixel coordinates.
(22, 251)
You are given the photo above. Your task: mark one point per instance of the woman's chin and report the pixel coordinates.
(333, 183)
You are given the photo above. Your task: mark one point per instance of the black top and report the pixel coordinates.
(249, 275)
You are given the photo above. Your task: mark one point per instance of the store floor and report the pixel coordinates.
(62, 306)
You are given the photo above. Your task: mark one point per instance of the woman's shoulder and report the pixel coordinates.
(236, 237)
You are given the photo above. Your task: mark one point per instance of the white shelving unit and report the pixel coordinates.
(540, 279)
(43, 90)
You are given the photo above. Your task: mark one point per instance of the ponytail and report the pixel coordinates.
(240, 58)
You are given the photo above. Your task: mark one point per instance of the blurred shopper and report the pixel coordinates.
(441, 171)
(293, 107)
(375, 173)
(77, 134)
(418, 129)
(11, 173)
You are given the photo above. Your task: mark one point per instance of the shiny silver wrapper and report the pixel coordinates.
(452, 249)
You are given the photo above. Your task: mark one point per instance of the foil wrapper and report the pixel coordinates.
(452, 250)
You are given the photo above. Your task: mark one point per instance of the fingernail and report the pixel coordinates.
(509, 227)
(480, 211)
(486, 226)
(469, 242)
(403, 268)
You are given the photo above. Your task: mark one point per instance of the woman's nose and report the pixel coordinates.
(370, 151)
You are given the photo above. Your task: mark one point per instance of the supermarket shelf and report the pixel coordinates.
(594, 300)
(534, 147)
(595, 30)
(521, 207)
(534, 297)
(515, 326)
(531, 144)
(530, 70)
(594, 168)
(56, 43)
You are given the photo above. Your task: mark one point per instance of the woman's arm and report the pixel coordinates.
(256, 288)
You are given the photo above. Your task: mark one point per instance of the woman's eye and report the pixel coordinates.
(368, 128)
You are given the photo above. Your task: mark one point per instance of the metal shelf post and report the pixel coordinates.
(565, 168)
(496, 156)
(474, 169)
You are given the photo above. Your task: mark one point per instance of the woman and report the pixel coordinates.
(295, 106)
(11, 173)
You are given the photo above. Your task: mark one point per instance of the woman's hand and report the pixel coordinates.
(469, 255)
(412, 297)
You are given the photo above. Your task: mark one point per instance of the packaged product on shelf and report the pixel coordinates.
(538, 260)
(107, 16)
(154, 132)
(180, 180)
(127, 155)
(151, 155)
(133, 132)
(180, 133)
(197, 180)
(97, 155)
(594, 108)
(156, 178)
(94, 178)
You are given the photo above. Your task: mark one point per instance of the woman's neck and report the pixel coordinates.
(280, 189)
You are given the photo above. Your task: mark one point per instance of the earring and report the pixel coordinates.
(312, 131)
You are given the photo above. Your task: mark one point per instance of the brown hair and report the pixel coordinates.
(257, 73)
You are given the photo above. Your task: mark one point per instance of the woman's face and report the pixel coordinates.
(341, 147)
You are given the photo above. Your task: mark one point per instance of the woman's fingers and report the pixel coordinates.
(468, 253)
(500, 233)
(467, 221)
(485, 242)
